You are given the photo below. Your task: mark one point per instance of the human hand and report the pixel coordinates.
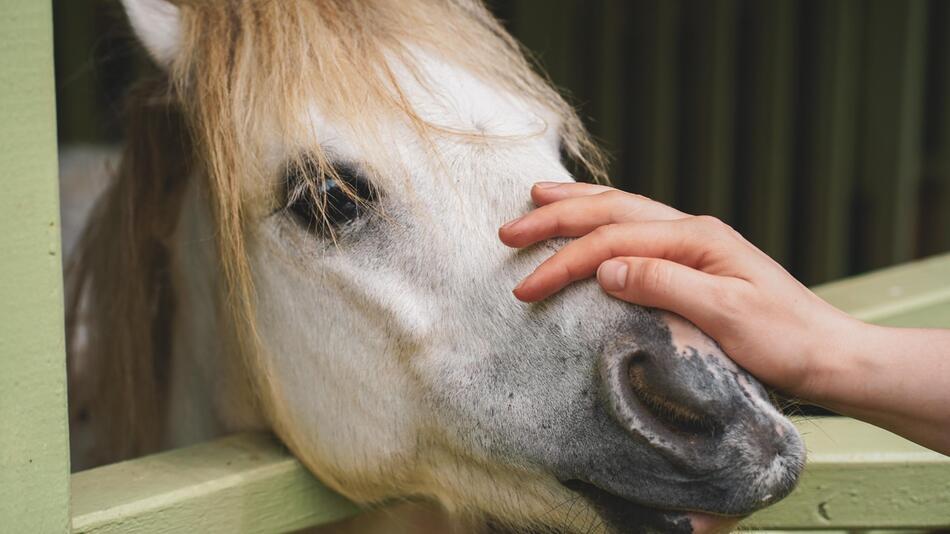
(698, 267)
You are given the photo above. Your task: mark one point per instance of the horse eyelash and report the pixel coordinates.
(306, 182)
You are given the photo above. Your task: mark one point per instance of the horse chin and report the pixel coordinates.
(623, 516)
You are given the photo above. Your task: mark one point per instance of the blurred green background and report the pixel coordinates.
(818, 128)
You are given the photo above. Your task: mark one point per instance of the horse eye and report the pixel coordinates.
(323, 204)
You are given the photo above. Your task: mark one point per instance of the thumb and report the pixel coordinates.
(664, 284)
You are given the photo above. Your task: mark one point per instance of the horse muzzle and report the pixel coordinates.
(716, 444)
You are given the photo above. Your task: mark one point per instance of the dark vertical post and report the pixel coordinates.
(768, 124)
(830, 101)
(651, 94)
(707, 121)
(891, 133)
(935, 189)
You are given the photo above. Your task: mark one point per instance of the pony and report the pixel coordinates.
(301, 237)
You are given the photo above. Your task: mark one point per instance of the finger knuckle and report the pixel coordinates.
(616, 195)
(713, 228)
(652, 276)
(603, 232)
(566, 273)
(711, 223)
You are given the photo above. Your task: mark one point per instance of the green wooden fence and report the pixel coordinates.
(34, 444)
(857, 477)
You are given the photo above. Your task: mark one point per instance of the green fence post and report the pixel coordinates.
(34, 452)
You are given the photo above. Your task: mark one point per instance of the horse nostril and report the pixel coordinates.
(662, 403)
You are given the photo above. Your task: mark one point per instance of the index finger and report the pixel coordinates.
(575, 216)
(543, 193)
(684, 241)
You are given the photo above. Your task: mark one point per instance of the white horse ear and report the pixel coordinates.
(157, 24)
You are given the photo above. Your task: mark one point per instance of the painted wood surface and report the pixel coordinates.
(913, 294)
(34, 454)
(861, 477)
(241, 483)
(858, 476)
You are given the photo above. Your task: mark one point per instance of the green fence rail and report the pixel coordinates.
(242, 483)
(858, 477)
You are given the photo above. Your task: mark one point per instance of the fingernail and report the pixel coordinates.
(519, 286)
(547, 185)
(612, 275)
(511, 223)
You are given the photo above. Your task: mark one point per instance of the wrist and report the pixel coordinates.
(837, 357)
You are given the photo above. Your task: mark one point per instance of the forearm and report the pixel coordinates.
(896, 378)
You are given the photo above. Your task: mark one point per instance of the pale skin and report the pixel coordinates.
(645, 252)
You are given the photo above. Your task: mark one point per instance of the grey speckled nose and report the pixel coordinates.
(696, 409)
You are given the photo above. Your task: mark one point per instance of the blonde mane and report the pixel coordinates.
(243, 72)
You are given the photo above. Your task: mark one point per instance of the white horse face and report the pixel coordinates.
(404, 365)
(401, 364)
